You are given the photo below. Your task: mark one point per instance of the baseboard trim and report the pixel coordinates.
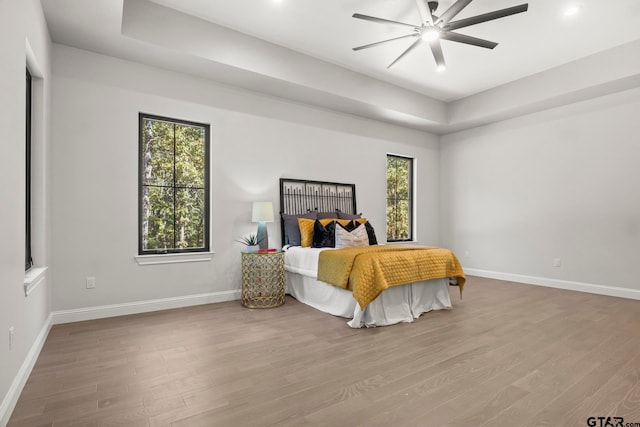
(612, 291)
(13, 394)
(103, 311)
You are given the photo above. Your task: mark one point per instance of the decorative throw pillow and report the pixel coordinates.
(357, 237)
(350, 225)
(292, 229)
(306, 231)
(343, 215)
(323, 215)
(346, 223)
(370, 232)
(306, 227)
(324, 236)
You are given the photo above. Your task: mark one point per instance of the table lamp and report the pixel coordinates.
(262, 213)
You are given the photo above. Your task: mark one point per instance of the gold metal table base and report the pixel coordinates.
(262, 279)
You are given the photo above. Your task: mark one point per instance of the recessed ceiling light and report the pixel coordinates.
(571, 10)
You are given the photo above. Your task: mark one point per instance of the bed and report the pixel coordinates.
(320, 209)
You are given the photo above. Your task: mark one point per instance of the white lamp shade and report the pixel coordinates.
(262, 211)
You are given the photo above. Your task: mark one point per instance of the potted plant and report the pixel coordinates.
(251, 242)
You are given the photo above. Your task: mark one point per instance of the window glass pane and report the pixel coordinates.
(402, 182)
(190, 156)
(190, 207)
(392, 178)
(399, 198)
(161, 172)
(160, 235)
(399, 220)
(157, 153)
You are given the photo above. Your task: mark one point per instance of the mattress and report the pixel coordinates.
(397, 304)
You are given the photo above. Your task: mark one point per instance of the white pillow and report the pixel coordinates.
(357, 237)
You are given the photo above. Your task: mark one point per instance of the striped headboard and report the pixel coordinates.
(299, 196)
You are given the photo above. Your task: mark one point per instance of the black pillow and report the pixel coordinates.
(324, 236)
(292, 229)
(370, 233)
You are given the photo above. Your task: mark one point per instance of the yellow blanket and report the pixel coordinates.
(369, 270)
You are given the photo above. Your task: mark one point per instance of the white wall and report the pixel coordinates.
(22, 24)
(557, 184)
(256, 139)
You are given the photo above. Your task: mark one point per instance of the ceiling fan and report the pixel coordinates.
(434, 28)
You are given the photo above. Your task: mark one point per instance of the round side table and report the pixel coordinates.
(262, 279)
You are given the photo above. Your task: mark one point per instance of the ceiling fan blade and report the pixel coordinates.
(487, 17)
(436, 49)
(381, 20)
(409, 49)
(450, 13)
(461, 38)
(366, 46)
(425, 12)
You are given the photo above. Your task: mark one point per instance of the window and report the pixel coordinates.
(28, 261)
(173, 186)
(399, 198)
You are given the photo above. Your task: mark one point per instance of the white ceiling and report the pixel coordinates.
(310, 47)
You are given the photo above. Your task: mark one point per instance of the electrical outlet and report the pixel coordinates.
(91, 282)
(11, 334)
(557, 262)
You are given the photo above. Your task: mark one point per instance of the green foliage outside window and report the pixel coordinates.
(174, 185)
(399, 198)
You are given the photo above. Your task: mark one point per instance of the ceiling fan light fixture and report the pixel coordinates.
(430, 34)
(441, 68)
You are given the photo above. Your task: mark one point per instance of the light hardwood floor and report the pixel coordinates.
(506, 355)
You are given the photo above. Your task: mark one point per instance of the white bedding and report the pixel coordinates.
(397, 304)
(303, 260)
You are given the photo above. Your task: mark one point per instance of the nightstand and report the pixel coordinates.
(262, 279)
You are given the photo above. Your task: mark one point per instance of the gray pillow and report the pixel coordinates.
(323, 215)
(292, 229)
(343, 215)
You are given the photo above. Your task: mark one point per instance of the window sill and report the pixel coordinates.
(174, 258)
(33, 278)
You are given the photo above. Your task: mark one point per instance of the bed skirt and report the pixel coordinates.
(397, 304)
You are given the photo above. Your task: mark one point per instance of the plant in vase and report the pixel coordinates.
(251, 242)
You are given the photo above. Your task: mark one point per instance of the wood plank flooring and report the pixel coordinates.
(506, 355)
